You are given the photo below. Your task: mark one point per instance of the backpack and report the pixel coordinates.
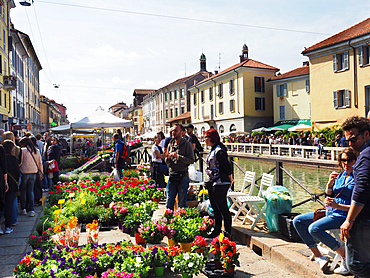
(124, 156)
(198, 146)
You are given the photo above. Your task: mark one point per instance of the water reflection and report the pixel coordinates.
(312, 177)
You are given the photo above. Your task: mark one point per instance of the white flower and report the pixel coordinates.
(138, 259)
(137, 264)
(54, 268)
(186, 256)
(190, 264)
(172, 269)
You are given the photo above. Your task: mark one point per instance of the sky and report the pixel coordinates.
(97, 52)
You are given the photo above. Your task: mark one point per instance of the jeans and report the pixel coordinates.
(173, 189)
(309, 230)
(15, 211)
(358, 249)
(26, 189)
(217, 197)
(8, 211)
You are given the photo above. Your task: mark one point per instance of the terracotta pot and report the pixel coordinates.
(139, 239)
(156, 200)
(171, 242)
(185, 246)
(229, 270)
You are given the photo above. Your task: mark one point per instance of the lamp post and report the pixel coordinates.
(26, 3)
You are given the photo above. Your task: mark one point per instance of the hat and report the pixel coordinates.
(189, 126)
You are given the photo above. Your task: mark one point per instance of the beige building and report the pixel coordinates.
(291, 94)
(236, 99)
(50, 114)
(340, 76)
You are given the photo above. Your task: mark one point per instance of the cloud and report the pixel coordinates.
(108, 51)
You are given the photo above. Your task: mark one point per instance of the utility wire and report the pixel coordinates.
(93, 87)
(185, 18)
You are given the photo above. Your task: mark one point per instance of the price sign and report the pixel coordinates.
(71, 195)
(61, 201)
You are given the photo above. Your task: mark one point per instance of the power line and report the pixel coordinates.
(185, 18)
(93, 87)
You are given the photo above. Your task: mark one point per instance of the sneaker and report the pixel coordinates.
(342, 269)
(1, 231)
(8, 230)
(45, 190)
(32, 213)
(23, 212)
(15, 224)
(322, 261)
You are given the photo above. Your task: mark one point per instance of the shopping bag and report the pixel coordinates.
(115, 175)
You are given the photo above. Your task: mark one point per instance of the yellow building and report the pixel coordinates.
(7, 82)
(291, 93)
(340, 76)
(137, 120)
(236, 99)
(50, 115)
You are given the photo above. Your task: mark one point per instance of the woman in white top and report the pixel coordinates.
(31, 162)
(159, 167)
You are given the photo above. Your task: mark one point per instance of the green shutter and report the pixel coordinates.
(278, 90)
(335, 99)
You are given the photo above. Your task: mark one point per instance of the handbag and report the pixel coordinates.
(320, 213)
(39, 173)
(53, 167)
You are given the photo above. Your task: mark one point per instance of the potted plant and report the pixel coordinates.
(199, 245)
(151, 232)
(226, 250)
(158, 195)
(92, 232)
(188, 264)
(160, 259)
(42, 242)
(186, 230)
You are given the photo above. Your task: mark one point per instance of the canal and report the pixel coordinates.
(313, 177)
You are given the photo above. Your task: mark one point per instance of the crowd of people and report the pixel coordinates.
(29, 165)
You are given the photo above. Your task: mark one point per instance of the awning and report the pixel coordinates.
(290, 124)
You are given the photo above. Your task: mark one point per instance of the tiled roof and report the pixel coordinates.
(183, 116)
(352, 32)
(186, 78)
(296, 72)
(143, 91)
(249, 63)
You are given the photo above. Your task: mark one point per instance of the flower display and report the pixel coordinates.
(159, 256)
(225, 250)
(153, 231)
(199, 245)
(144, 167)
(43, 242)
(189, 263)
(92, 232)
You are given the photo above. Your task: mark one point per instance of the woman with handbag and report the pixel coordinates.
(53, 161)
(218, 182)
(338, 191)
(30, 166)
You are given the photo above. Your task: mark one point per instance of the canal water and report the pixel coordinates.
(312, 177)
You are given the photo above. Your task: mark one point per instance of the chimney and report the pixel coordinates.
(216, 72)
(306, 63)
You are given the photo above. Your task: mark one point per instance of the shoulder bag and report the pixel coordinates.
(320, 213)
(39, 172)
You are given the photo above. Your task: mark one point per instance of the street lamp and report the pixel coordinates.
(26, 3)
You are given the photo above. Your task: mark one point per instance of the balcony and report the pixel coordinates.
(10, 82)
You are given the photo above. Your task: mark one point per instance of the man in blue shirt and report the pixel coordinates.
(119, 149)
(356, 228)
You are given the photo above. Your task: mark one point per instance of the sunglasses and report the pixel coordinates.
(345, 160)
(353, 139)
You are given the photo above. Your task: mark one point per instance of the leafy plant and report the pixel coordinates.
(190, 263)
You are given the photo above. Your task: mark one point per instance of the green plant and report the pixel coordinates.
(158, 193)
(190, 263)
(151, 231)
(225, 250)
(159, 256)
(42, 242)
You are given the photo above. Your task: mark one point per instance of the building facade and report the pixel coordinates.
(236, 99)
(340, 76)
(50, 115)
(149, 116)
(117, 109)
(291, 94)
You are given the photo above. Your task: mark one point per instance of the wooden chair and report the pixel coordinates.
(249, 178)
(250, 204)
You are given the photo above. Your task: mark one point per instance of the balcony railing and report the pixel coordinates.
(10, 82)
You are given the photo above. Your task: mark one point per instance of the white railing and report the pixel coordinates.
(292, 151)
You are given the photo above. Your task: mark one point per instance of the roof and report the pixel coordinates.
(249, 63)
(183, 116)
(352, 32)
(186, 78)
(143, 91)
(305, 70)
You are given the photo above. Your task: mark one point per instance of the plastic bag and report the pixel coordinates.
(279, 200)
(115, 174)
(192, 172)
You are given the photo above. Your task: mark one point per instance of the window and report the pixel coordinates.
(281, 90)
(195, 113)
(161, 115)
(221, 129)
(282, 112)
(220, 90)
(202, 96)
(221, 108)
(5, 100)
(175, 94)
(182, 110)
(340, 61)
(307, 86)
(171, 95)
(232, 105)
(166, 96)
(4, 39)
(342, 98)
(260, 103)
(195, 98)
(182, 93)
(166, 113)
(210, 93)
(202, 111)
(176, 112)
(202, 130)
(259, 84)
(171, 113)
(231, 87)
(364, 55)
(232, 128)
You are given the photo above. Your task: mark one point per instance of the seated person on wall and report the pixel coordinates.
(338, 191)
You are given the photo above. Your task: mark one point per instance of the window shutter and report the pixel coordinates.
(360, 57)
(345, 54)
(346, 98)
(335, 62)
(255, 84)
(285, 89)
(256, 106)
(277, 90)
(307, 86)
(263, 84)
(263, 104)
(335, 99)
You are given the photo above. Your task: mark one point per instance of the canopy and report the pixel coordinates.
(228, 133)
(149, 135)
(65, 129)
(101, 119)
(259, 129)
(300, 127)
(288, 124)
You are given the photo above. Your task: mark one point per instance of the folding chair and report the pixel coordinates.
(249, 178)
(254, 213)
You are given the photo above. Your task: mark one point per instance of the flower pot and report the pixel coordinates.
(158, 271)
(185, 246)
(186, 275)
(92, 235)
(126, 230)
(218, 264)
(156, 200)
(139, 239)
(230, 270)
(120, 225)
(171, 242)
